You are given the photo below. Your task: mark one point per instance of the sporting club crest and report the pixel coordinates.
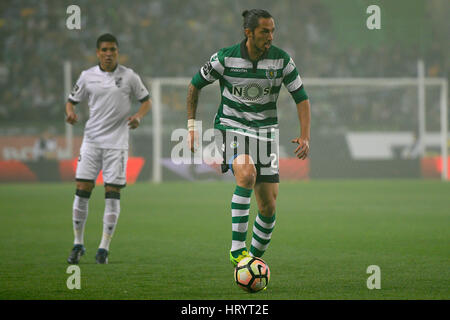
(271, 73)
(118, 82)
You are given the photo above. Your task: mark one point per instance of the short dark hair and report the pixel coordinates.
(251, 17)
(107, 37)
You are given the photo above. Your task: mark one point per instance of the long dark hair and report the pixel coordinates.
(251, 18)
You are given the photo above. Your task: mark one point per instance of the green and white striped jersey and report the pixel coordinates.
(250, 89)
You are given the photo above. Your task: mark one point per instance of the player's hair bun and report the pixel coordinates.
(244, 13)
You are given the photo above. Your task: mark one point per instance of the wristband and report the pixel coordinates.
(191, 124)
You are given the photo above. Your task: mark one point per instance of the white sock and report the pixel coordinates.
(79, 217)
(110, 217)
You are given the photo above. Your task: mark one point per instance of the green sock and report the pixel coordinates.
(262, 232)
(240, 208)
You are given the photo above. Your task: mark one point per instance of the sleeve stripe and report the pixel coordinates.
(218, 67)
(289, 68)
(204, 78)
(299, 95)
(199, 81)
(73, 101)
(147, 97)
(296, 90)
(290, 77)
(294, 85)
(211, 76)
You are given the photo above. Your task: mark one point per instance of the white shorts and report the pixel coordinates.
(113, 162)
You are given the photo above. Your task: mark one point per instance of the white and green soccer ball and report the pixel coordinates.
(252, 274)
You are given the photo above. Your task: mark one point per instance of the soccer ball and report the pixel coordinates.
(252, 274)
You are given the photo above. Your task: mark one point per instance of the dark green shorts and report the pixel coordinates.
(263, 150)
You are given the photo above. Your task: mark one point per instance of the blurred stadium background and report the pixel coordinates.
(364, 129)
(378, 111)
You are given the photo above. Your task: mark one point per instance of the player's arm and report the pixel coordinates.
(192, 102)
(304, 117)
(294, 84)
(140, 92)
(210, 72)
(71, 116)
(135, 120)
(77, 95)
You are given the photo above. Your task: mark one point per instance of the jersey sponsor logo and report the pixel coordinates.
(252, 91)
(238, 70)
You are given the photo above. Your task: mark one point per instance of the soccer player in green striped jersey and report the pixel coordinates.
(250, 75)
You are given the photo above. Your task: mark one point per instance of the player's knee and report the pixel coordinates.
(246, 175)
(109, 188)
(268, 209)
(85, 186)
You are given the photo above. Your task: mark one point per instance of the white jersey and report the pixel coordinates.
(109, 100)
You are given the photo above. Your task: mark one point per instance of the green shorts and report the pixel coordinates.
(263, 149)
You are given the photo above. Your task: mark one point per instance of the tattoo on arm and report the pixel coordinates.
(192, 101)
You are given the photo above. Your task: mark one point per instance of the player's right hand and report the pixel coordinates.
(71, 118)
(193, 140)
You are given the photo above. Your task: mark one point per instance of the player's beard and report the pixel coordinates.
(263, 49)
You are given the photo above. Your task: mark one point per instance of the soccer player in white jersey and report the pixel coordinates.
(250, 75)
(108, 88)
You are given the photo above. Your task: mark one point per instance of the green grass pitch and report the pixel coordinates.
(173, 239)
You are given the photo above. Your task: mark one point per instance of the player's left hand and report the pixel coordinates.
(303, 147)
(134, 121)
